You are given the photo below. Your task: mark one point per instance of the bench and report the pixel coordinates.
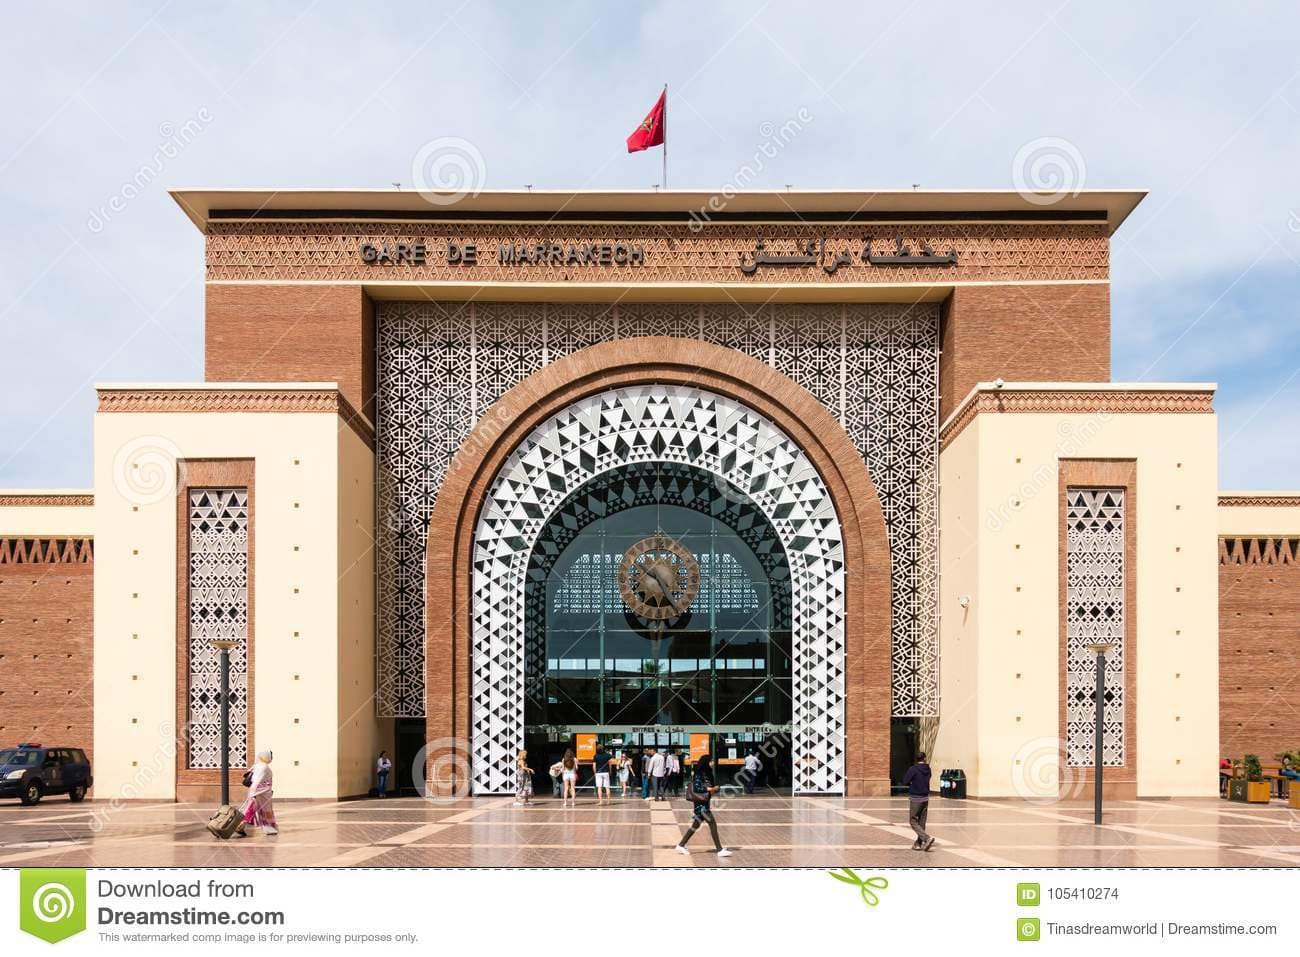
(1270, 773)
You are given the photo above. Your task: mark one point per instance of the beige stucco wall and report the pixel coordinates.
(360, 734)
(298, 592)
(38, 521)
(957, 744)
(1016, 607)
(1261, 520)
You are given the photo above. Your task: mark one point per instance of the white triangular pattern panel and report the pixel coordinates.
(1094, 614)
(658, 423)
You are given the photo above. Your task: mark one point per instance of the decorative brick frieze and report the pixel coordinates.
(1065, 401)
(47, 499)
(237, 400)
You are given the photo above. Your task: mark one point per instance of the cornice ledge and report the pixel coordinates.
(1086, 400)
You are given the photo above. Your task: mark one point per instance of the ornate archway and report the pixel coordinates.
(660, 399)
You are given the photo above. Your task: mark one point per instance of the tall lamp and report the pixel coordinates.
(1099, 696)
(223, 645)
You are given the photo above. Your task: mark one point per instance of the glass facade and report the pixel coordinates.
(724, 663)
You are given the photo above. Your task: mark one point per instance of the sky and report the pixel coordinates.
(1199, 103)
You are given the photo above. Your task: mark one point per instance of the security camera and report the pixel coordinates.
(964, 601)
(998, 383)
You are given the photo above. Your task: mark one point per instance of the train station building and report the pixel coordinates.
(830, 474)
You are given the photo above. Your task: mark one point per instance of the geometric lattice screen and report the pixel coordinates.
(218, 608)
(1094, 613)
(680, 426)
(442, 365)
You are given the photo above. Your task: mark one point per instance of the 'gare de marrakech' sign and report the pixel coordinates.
(510, 254)
(812, 253)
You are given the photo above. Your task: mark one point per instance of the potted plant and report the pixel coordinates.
(1257, 790)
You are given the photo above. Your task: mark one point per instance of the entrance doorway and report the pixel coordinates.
(658, 616)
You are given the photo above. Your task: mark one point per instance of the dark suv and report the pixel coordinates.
(30, 771)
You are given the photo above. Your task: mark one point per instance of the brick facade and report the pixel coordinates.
(46, 641)
(1023, 333)
(292, 333)
(1259, 646)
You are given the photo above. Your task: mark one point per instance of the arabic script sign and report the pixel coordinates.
(815, 253)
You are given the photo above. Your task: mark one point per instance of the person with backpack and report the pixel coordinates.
(557, 775)
(917, 781)
(701, 794)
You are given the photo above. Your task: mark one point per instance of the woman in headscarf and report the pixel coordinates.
(258, 809)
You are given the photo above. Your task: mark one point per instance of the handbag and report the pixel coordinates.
(248, 778)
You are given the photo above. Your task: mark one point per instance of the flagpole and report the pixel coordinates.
(665, 124)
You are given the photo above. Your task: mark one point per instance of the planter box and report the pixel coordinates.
(1294, 792)
(1258, 792)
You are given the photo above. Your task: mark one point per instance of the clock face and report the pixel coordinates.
(658, 578)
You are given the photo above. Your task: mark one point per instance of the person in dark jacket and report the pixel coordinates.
(702, 791)
(917, 781)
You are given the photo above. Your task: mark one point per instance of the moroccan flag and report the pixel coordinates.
(651, 131)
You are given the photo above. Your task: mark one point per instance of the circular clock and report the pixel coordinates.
(658, 578)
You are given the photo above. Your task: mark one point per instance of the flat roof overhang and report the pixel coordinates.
(204, 205)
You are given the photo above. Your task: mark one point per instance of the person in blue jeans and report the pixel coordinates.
(917, 780)
(382, 768)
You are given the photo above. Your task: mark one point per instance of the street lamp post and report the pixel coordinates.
(1099, 696)
(223, 645)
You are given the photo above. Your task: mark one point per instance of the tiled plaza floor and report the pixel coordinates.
(764, 831)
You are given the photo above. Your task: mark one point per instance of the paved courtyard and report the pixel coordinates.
(764, 831)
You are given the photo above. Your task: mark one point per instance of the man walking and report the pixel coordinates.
(917, 780)
(602, 774)
(658, 769)
(753, 767)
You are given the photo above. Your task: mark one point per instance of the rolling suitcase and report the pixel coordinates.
(225, 822)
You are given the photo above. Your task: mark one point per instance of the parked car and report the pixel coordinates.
(31, 771)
